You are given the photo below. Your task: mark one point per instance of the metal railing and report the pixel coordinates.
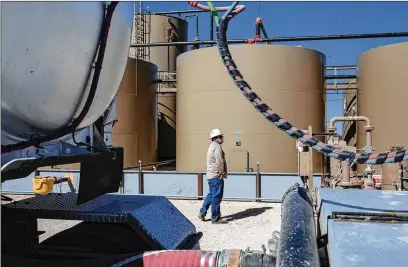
(239, 186)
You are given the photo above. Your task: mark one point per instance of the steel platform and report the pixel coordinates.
(154, 218)
(364, 227)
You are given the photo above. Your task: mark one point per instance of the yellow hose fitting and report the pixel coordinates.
(43, 185)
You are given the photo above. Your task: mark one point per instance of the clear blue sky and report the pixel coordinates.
(311, 18)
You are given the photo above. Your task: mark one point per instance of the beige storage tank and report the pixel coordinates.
(136, 113)
(167, 126)
(383, 98)
(161, 28)
(289, 79)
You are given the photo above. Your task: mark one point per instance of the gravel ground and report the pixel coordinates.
(250, 224)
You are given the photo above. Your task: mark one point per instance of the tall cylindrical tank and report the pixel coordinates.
(136, 113)
(289, 79)
(382, 97)
(165, 29)
(160, 28)
(48, 50)
(167, 126)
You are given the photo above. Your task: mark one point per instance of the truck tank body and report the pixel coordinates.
(382, 97)
(136, 113)
(157, 29)
(48, 49)
(289, 79)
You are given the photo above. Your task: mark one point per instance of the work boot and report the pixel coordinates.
(220, 221)
(201, 217)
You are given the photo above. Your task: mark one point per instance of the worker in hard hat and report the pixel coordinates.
(216, 172)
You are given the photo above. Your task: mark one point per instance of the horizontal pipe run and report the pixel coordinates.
(351, 118)
(341, 89)
(333, 77)
(159, 163)
(285, 39)
(342, 67)
(269, 174)
(179, 12)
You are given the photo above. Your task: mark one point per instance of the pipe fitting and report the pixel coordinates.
(258, 20)
(368, 127)
(331, 129)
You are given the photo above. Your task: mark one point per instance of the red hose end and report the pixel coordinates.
(180, 258)
(193, 3)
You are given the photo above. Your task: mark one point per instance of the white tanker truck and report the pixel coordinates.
(61, 66)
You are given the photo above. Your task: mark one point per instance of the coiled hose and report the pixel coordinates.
(275, 118)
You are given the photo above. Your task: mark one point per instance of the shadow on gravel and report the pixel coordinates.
(246, 213)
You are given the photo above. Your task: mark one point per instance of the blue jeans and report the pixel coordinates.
(213, 199)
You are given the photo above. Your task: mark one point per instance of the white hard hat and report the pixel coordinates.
(215, 132)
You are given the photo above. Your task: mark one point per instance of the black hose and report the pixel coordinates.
(297, 243)
(95, 79)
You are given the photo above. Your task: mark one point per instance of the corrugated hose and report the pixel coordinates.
(275, 118)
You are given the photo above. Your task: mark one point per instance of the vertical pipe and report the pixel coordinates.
(200, 186)
(345, 171)
(211, 28)
(141, 182)
(369, 145)
(310, 185)
(257, 30)
(258, 182)
(197, 35)
(297, 242)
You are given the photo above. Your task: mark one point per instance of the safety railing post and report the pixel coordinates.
(258, 183)
(141, 180)
(200, 186)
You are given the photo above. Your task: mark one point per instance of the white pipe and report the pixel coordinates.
(350, 118)
(368, 128)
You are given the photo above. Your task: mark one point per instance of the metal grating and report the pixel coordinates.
(153, 217)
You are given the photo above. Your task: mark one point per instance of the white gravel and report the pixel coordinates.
(250, 224)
